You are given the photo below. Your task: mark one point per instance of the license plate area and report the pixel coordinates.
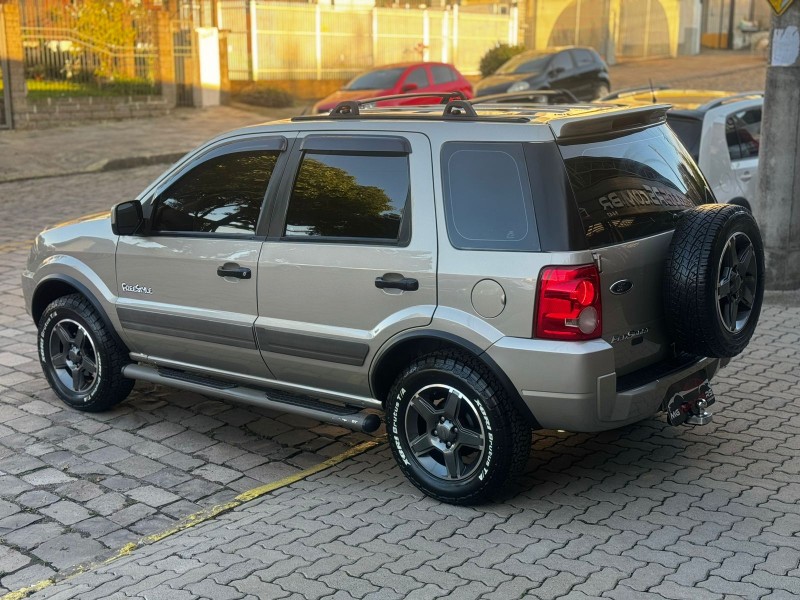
(682, 397)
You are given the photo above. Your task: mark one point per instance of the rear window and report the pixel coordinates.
(487, 197)
(632, 186)
(688, 131)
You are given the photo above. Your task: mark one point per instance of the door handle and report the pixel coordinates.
(404, 283)
(233, 271)
(746, 176)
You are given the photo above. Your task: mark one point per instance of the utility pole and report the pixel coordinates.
(778, 204)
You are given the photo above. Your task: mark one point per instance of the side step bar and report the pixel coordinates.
(343, 416)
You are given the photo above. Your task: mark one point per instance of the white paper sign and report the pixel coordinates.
(785, 46)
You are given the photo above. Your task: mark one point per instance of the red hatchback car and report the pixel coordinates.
(401, 78)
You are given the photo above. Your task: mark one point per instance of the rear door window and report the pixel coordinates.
(487, 197)
(632, 186)
(743, 133)
(442, 74)
(343, 197)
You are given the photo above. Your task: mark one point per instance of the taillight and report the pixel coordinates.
(568, 304)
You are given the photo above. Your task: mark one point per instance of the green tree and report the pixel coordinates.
(107, 28)
(497, 56)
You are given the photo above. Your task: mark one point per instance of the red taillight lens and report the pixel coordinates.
(568, 304)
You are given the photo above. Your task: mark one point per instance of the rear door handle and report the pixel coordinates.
(404, 283)
(233, 271)
(746, 176)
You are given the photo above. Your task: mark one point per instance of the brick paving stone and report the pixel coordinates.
(67, 550)
(66, 512)
(46, 477)
(11, 560)
(152, 496)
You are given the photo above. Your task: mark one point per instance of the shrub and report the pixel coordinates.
(494, 58)
(261, 94)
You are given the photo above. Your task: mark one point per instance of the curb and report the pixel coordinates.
(109, 164)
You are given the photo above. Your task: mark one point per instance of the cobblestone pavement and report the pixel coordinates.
(73, 485)
(648, 511)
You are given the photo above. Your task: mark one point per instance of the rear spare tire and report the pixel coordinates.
(714, 280)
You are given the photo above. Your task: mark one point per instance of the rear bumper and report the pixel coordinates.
(573, 385)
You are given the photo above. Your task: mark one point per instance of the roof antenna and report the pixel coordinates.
(652, 91)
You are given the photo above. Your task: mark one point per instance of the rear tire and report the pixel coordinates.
(452, 429)
(714, 280)
(601, 90)
(80, 358)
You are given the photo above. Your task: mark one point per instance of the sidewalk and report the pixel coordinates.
(119, 144)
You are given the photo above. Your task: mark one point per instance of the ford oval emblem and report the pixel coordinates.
(623, 286)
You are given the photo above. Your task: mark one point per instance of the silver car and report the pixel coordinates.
(471, 272)
(721, 130)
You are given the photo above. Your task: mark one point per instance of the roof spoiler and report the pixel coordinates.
(608, 121)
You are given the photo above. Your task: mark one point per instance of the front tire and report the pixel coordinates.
(80, 358)
(453, 431)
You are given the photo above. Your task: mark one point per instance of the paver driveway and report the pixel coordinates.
(645, 511)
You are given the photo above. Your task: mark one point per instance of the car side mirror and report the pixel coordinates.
(127, 218)
(556, 71)
(409, 87)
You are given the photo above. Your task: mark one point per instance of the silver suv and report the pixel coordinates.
(474, 272)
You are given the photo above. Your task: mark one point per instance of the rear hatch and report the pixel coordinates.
(629, 189)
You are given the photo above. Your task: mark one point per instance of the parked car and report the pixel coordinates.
(473, 272)
(721, 130)
(399, 78)
(577, 70)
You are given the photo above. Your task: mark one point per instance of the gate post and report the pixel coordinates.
(12, 61)
(166, 59)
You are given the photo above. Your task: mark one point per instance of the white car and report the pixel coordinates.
(721, 130)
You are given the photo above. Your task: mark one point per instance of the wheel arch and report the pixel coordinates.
(740, 201)
(56, 286)
(403, 348)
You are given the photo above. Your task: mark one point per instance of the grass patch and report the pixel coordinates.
(41, 90)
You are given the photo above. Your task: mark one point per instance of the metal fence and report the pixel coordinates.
(273, 40)
(82, 49)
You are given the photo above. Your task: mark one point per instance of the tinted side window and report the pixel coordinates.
(221, 195)
(688, 131)
(355, 197)
(487, 197)
(583, 57)
(630, 186)
(442, 74)
(743, 133)
(561, 61)
(418, 76)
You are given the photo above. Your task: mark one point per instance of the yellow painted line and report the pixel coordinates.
(195, 519)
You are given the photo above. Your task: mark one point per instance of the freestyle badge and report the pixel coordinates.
(135, 288)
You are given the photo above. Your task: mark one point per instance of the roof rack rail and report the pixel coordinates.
(444, 97)
(632, 90)
(460, 109)
(527, 95)
(720, 101)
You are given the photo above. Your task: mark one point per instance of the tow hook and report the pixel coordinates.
(688, 402)
(699, 416)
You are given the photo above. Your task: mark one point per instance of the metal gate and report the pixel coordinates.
(184, 51)
(5, 92)
(582, 23)
(643, 30)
